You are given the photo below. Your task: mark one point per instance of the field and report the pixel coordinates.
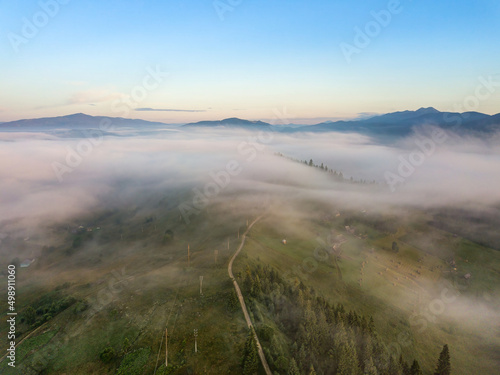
(403, 291)
(104, 298)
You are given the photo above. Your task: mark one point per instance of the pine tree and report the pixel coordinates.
(256, 288)
(251, 356)
(248, 281)
(394, 367)
(293, 368)
(312, 371)
(348, 361)
(126, 346)
(415, 368)
(302, 356)
(443, 366)
(233, 301)
(370, 368)
(404, 366)
(371, 326)
(365, 350)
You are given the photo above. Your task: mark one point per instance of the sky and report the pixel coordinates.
(180, 61)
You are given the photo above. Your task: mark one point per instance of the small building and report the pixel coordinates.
(467, 276)
(283, 241)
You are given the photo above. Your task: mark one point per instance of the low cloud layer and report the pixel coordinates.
(48, 180)
(461, 171)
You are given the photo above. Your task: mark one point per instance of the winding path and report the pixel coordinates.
(242, 301)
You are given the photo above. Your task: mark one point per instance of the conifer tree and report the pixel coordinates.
(348, 361)
(370, 368)
(250, 357)
(371, 326)
(404, 366)
(394, 367)
(443, 366)
(293, 368)
(415, 368)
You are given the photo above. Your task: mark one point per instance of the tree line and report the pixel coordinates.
(313, 336)
(336, 175)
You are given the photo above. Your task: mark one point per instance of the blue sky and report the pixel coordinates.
(259, 57)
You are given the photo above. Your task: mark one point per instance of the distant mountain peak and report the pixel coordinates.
(77, 120)
(233, 121)
(425, 111)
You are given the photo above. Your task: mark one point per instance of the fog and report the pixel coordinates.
(43, 176)
(46, 179)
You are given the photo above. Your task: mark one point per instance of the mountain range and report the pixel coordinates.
(391, 125)
(77, 120)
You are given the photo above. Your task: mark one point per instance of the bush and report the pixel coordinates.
(265, 333)
(80, 307)
(30, 315)
(107, 355)
(133, 363)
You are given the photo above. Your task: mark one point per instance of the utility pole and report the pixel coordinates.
(195, 341)
(166, 347)
(201, 285)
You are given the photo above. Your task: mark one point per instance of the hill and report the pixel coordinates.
(77, 120)
(399, 124)
(232, 122)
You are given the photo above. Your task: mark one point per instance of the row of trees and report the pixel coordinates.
(316, 337)
(337, 176)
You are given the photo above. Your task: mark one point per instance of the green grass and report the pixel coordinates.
(134, 363)
(391, 289)
(27, 348)
(161, 290)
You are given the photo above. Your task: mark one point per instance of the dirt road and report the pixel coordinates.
(242, 301)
